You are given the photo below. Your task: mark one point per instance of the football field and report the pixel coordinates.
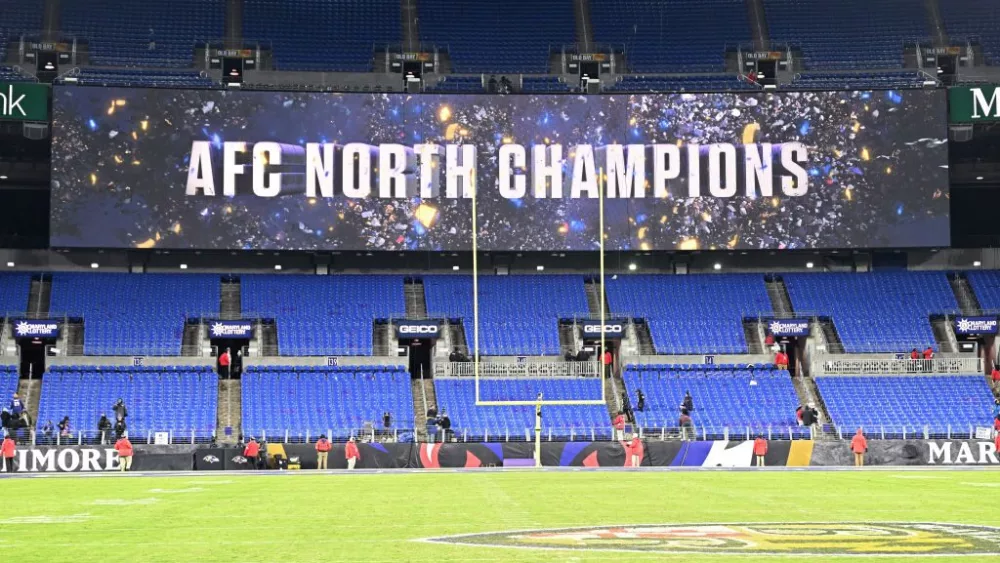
(613, 515)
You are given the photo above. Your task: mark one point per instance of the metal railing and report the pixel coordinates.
(372, 432)
(523, 369)
(93, 438)
(937, 366)
(598, 433)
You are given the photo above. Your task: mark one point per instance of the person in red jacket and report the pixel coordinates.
(996, 442)
(124, 448)
(322, 451)
(225, 360)
(8, 449)
(995, 377)
(781, 360)
(608, 360)
(351, 453)
(859, 445)
(928, 353)
(760, 450)
(769, 340)
(620, 426)
(251, 451)
(635, 448)
(914, 355)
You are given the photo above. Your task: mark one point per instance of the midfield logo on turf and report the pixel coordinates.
(816, 539)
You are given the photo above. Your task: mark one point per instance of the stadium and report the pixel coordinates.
(469, 280)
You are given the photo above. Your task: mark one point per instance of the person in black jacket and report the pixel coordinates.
(445, 423)
(640, 403)
(103, 429)
(688, 402)
(120, 428)
(121, 412)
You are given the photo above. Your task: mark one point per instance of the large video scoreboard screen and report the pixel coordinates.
(188, 169)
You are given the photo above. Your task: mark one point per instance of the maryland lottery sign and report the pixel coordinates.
(312, 171)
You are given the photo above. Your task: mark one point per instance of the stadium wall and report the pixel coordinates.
(705, 454)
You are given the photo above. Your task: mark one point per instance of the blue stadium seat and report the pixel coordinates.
(14, 289)
(8, 384)
(894, 403)
(323, 35)
(134, 314)
(518, 315)
(974, 20)
(177, 399)
(544, 85)
(311, 401)
(457, 397)
(723, 397)
(672, 35)
(713, 83)
(8, 74)
(691, 314)
(858, 80)
(499, 37)
(152, 33)
(986, 285)
(848, 34)
(143, 78)
(458, 85)
(323, 315)
(878, 311)
(19, 17)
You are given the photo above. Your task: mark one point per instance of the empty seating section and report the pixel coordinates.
(672, 35)
(894, 403)
(311, 401)
(723, 397)
(518, 314)
(323, 315)
(140, 77)
(848, 34)
(509, 36)
(859, 80)
(323, 35)
(986, 285)
(974, 20)
(14, 289)
(458, 85)
(126, 314)
(19, 17)
(177, 399)
(691, 314)
(875, 312)
(156, 33)
(680, 83)
(543, 84)
(8, 384)
(8, 74)
(457, 397)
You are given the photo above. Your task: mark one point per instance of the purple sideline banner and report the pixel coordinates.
(678, 171)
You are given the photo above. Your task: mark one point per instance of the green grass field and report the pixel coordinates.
(377, 517)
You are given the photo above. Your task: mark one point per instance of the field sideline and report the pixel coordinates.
(383, 517)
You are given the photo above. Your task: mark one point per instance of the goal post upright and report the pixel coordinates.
(538, 403)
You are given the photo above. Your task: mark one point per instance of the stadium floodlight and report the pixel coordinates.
(809, 264)
(540, 401)
(10, 264)
(455, 268)
(277, 267)
(95, 265)
(977, 263)
(184, 266)
(632, 267)
(717, 266)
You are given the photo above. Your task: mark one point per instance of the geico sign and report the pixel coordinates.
(66, 459)
(591, 329)
(962, 453)
(418, 329)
